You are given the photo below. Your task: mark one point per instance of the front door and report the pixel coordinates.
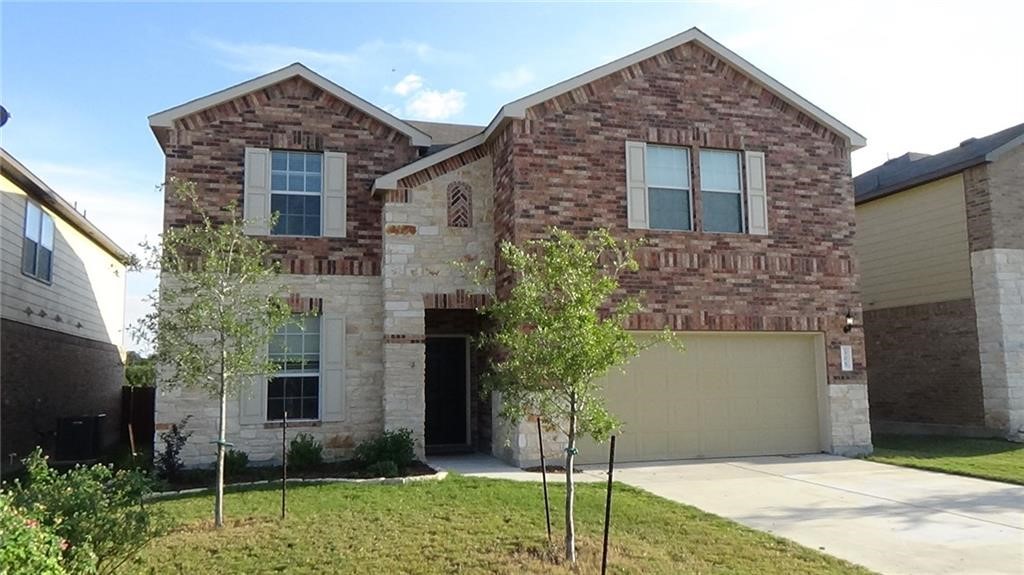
(447, 392)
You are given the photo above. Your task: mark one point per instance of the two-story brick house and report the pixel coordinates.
(741, 187)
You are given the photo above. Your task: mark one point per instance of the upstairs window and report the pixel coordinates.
(296, 183)
(37, 252)
(721, 191)
(669, 201)
(295, 348)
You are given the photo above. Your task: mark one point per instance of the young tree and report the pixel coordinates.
(558, 331)
(218, 305)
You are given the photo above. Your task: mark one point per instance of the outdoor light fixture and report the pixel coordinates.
(848, 326)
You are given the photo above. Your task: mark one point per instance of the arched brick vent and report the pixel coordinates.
(460, 205)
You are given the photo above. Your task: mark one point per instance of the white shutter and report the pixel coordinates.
(252, 401)
(757, 194)
(332, 367)
(256, 199)
(335, 194)
(636, 185)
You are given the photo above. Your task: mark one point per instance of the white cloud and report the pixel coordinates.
(368, 59)
(407, 85)
(513, 79)
(435, 105)
(258, 58)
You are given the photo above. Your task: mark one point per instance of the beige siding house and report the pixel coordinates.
(941, 249)
(62, 308)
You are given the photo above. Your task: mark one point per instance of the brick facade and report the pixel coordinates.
(208, 148)
(38, 386)
(924, 366)
(568, 171)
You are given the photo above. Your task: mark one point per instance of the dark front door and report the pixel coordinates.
(446, 392)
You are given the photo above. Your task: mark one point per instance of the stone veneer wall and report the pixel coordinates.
(359, 299)
(924, 367)
(999, 300)
(419, 272)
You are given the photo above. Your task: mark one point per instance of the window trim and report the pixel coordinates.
(43, 216)
(271, 191)
(299, 373)
(742, 192)
(688, 189)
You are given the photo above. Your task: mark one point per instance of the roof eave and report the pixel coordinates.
(166, 118)
(390, 180)
(36, 187)
(920, 180)
(517, 109)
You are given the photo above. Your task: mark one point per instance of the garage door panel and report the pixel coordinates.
(725, 395)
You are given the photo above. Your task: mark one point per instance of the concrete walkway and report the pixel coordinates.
(890, 519)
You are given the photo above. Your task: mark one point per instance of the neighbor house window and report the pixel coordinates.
(295, 348)
(721, 191)
(37, 252)
(667, 173)
(296, 182)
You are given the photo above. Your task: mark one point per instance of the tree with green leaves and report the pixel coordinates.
(217, 307)
(557, 332)
(139, 370)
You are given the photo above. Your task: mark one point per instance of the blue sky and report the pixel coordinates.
(80, 79)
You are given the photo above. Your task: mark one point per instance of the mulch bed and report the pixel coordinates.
(193, 478)
(559, 469)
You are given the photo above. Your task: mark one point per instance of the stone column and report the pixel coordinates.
(998, 278)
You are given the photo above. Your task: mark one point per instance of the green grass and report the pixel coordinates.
(985, 458)
(460, 525)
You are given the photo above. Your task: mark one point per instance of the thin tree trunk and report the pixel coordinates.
(570, 487)
(218, 504)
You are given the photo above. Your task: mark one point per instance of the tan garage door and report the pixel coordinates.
(725, 395)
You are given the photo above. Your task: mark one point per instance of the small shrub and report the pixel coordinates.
(305, 452)
(168, 462)
(382, 469)
(235, 462)
(392, 446)
(96, 512)
(25, 545)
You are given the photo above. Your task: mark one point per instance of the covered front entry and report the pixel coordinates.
(447, 393)
(457, 416)
(728, 394)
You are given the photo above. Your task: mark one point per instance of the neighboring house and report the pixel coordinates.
(62, 304)
(941, 247)
(741, 187)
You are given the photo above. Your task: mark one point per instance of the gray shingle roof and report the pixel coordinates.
(913, 169)
(445, 134)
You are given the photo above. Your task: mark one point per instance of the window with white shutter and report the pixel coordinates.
(757, 194)
(721, 191)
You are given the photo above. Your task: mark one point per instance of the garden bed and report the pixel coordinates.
(204, 478)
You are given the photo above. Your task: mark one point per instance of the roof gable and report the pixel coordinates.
(910, 169)
(518, 109)
(161, 122)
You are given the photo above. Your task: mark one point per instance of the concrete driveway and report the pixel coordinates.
(889, 519)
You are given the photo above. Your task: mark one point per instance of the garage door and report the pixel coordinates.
(725, 395)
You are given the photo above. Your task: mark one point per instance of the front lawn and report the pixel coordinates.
(995, 459)
(459, 525)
